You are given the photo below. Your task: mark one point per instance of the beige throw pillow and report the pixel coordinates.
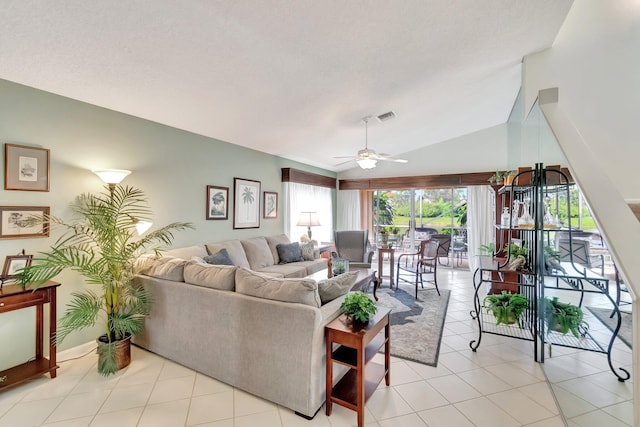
(303, 291)
(330, 289)
(221, 277)
(166, 267)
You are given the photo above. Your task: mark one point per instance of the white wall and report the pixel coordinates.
(171, 166)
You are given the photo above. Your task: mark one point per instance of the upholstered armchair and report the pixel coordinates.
(353, 245)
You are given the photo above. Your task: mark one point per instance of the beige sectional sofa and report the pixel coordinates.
(257, 325)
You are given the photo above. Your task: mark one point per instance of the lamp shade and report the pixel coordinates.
(308, 219)
(112, 176)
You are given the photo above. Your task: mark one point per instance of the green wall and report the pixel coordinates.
(172, 166)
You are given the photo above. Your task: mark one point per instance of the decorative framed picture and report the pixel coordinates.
(246, 203)
(217, 202)
(270, 204)
(26, 168)
(21, 222)
(13, 263)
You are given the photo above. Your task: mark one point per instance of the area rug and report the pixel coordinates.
(416, 325)
(626, 328)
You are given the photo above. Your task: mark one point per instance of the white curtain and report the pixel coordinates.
(348, 216)
(308, 198)
(481, 220)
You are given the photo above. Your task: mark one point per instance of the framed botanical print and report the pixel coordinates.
(246, 203)
(270, 204)
(20, 222)
(26, 168)
(217, 202)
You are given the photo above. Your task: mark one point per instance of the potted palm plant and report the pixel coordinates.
(506, 308)
(102, 245)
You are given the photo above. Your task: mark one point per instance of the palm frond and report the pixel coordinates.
(82, 312)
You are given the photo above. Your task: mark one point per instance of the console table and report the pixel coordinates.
(358, 344)
(14, 297)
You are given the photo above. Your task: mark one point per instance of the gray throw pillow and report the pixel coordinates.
(330, 289)
(308, 251)
(290, 252)
(219, 258)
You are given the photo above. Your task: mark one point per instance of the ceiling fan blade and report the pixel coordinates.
(386, 157)
(343, 157)
(344, 163)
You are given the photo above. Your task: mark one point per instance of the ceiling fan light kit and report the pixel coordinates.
(367, 158)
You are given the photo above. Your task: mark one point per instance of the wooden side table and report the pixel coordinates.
(381, 252)
(14, 297)
(357, 346)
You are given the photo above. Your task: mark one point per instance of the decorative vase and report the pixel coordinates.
(384, 237)
(122, 350)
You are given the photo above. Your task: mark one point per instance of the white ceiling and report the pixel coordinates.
(292, 78)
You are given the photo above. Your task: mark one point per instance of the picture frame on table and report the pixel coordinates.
(270, 205)
(22, 222)
(217, 202)
(26, 168)
(246, 203)
(13, 263)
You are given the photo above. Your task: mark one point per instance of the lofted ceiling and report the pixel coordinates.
(291, 78)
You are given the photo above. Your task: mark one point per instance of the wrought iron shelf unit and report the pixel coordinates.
(539, 277)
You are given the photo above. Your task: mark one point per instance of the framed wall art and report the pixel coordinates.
(13, 263)
(246, 203)
(26, 168)
(270, 204)
(20, 222)
(217, 202)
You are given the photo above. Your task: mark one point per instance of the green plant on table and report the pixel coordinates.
(517, 255)
(102, 244)
(359, 306)
(563, 317)
(487, 250)
(506, 308)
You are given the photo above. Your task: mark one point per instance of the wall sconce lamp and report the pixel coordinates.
(308, 219)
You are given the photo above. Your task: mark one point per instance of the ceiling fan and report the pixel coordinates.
(367, 157)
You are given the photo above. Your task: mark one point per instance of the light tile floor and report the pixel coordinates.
(499, 385)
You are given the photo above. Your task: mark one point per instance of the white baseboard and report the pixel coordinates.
(75, 352)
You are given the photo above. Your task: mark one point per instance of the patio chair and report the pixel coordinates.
(444, 241)
(353, 245)
(577, 251)
(412, 268)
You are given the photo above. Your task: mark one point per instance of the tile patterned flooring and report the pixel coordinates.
(499, 385)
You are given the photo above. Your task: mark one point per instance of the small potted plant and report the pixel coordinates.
(358, 307)
(384, 237)
(506, 308)
(340, 266)
(563, 317)
(508, 177)
(497, 178)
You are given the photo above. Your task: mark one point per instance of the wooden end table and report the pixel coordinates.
(14, 297)
(381, 252)
(357, 346)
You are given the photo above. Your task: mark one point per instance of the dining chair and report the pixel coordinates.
(412, 267)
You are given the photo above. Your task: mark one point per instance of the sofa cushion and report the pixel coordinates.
(293, 270)
(330, 289)
(257, 252)
(187, 252)
(303, 291)
(274, 241)
(308, 251)
(221, 277)
(219, 258)
(166, 267)
(289, 252)
(235, 250)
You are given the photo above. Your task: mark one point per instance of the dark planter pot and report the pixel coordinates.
(122, 350)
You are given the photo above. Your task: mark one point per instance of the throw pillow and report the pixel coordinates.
(302, 291)
(330, 289)
(308, 250)
(289, 252)
(166, 267)
(219, 258)
(222, 277)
